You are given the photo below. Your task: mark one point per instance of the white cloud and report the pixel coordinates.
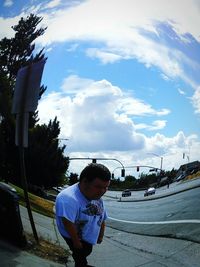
(53, 3)
(73, 47)
(97, 116)
(122, 33)
(73, 84)
(121, 30)
(120, 16)
(6, 24)
(196, 100)
(96, 124)
(133, 106)
(156, 125)
(93, 113)
(104, 56)
(8, 3)
(181, 92)
(171, 149)
(166, 78)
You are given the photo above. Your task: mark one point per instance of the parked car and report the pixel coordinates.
(58, 189)
(126, 193)
(150, 191)
(7, 187)
(180, 177)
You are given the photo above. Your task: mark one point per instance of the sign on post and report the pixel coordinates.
(25, 100)
(26, 95)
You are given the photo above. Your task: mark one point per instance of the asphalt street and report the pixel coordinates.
(177, 215)
(119, 248)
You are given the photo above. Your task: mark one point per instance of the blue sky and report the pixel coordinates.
(122, 77)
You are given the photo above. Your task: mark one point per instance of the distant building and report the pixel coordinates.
(188, 167)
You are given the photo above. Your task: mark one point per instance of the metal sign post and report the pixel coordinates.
(25, 100)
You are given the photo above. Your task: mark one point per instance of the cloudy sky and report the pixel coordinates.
(122, 77)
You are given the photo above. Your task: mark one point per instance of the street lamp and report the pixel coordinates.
(161, 159)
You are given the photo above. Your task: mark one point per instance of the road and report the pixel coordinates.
(120, 248)
(176, 216)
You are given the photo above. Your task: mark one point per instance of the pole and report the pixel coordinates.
(161, 159)
(161, 163)
(25, 188)
(21, 154)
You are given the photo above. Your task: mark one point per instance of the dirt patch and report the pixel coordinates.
(47, 250)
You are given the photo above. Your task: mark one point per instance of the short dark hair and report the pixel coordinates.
(95, 170)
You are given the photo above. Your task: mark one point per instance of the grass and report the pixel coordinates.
(193, 176)
(38, 204)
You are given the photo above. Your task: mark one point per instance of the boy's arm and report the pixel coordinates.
(101, 233)
(71, 229)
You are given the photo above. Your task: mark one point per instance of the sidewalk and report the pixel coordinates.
(118, 248)
(13, 257)
(130, 250)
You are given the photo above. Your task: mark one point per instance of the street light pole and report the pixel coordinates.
(161, 159)
(161, 163)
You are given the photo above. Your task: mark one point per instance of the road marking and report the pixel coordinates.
(161, 222)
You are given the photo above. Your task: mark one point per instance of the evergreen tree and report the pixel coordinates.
(18, 51)
(73, 178)
(46, 164)
(15, 53)
(7, 129)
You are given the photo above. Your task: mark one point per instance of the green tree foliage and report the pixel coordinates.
(115, 183)
(45, 162)
(15, 53)
(147, 180)
(7, 129)
(130, 182)
(73, 178)
(18, 51)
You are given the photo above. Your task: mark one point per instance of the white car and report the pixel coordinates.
(180, 177)
(150, 191)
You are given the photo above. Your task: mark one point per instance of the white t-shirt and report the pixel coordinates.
(87, 215)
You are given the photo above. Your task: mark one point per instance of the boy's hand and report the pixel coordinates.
(100, 239)
(77, 244)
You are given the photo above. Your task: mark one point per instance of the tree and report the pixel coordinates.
(7, 129)
(45, 162)
(129, 181)
(73, 178)
(116, 183)
(18, 51)
(15, 53)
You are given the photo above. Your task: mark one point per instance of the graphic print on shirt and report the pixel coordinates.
(93, 209)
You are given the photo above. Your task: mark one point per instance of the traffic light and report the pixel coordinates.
(123, 173)
(138, 168)
(113, 176)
